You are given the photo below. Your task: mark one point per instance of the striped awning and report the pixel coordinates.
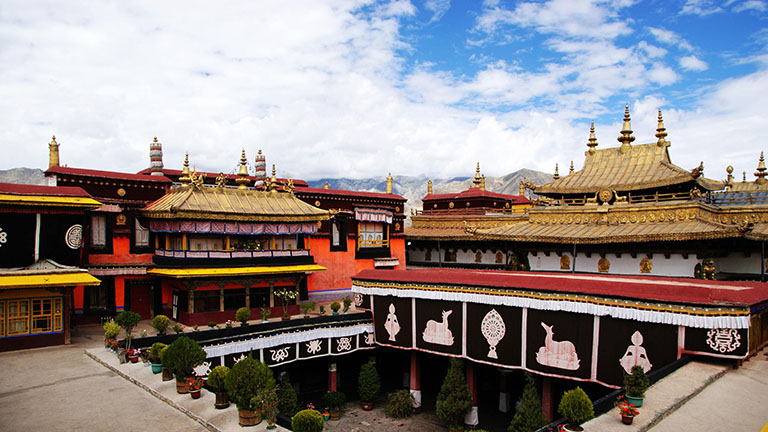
(373, 215)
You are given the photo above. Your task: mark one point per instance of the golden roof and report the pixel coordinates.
(234, 271)
(23, 279)
(233, 204)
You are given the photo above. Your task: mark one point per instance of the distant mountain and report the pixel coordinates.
(32, 176)
(414, 188)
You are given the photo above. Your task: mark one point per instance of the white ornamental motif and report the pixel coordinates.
(558, 354)
(438, 332)
(3, 237)
(358, 299)
(279, 354)
(369, 338)
(237, 359)
(635, 355)
(493, 330)
(203, 370)
(74, 236)
(723, 340)
(391, 325)
(344, 344)
(314, 346)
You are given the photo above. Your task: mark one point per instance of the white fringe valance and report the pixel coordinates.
(628, 313)
(285, 338)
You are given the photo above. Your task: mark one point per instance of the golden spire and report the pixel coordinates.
(626, 137)
(557, 174)
(760, 174)
(272, 184)
(592, 141)
(185, 179)
(429, 187)
(476, 180)
(326, 185)
(242, 180)
(482, 182)
(743, 176)
(53, 152)
(522, 188)
(729, 179)
(661, 133)
(571, 170)
(389, 183)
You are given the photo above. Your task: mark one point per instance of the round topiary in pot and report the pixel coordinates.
(154, 356)
(160, 323)
(576, 407)
(217, 381)
(335, 306)
(334, 401)
(246, 379)
(368, 385)
(308, 420)
(182, 357)
(243, 315)
(636, 384)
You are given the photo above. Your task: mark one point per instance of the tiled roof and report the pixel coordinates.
(106, 174)
(476, 192)
(340, 192)
(232, 204)
(46, 196)
(22, 189)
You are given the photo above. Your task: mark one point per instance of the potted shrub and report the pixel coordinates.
(576, 407)
(194, 386)
(286, 294)
(167, 373)
(347, 303)
(334, 401)
(212, 324)
(636, 384)
(399, 404)
(154, 357)
(454, 399)
(368, 385)
(528, 416)
(217, 381)
(160, 323)
(265, 313)
(182, 357)
(306, 307)
(111, 330)
(307, 420)
(128, 320)
(626, 410)
(335, 306)
(266, 401)
(321, 309)
(246, 379)
(243, 315)
(287, 401)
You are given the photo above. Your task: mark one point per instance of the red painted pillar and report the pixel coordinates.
(471, 419)
(332, 376)
(416, 379)
(547, 404)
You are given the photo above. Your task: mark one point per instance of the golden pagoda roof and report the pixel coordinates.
(209, 203)
(625, 169)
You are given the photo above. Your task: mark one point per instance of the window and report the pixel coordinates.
(2, 318)
(204, 244)
(285, 243)
(373, 235)
(31, 316)
(99, 230)
(338, 234)
(97, 297)
(18, 317)
(335, 241)
(206, 301)
(234, 299)
(42, 318)
(141, 234)
(259, 298)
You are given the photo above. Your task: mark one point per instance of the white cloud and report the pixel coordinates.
(756, 5)
(651, 51)
(670, 37)
(700, 7)
(438, 8)
(693, 63)
(663, 75)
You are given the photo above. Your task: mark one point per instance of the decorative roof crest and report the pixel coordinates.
(661, 133)
(557, 174)
(592, 141)
(242, 180)
(626, 137)
(184, 178)
(760, 174)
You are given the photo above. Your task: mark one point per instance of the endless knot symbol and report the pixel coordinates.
(344, 344)
(280, 354)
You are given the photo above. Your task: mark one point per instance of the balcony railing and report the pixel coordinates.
(169, 253)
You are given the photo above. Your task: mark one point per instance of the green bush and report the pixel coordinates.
(399, 404)
(308, 306)
(162, 356)
(347, 303)
(287, 401)
(308, 420)
(111, 329)
(576, 407)
(637, 382)
(243, 315)
(154, 352)
(334, 400)
(335, 306)
(183, 356)
(321, 309)
(212, 324)
(246, 379)
(529, 416)
(454, 399)
(217, 378)
(368, 383)
(160, 323)
(128, 320)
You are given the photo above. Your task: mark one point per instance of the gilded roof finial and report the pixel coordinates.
(196, 180)
(626, 137)
(221, 180)
(53, 153)
(326, 185)
(760, 174)
(557, 174)
(729, 179)
(522, 187)
(184, 178)
(571, 170)
(242, 180)
(389, 183)
(288, 187)
(592, 141)
(272, 184)
(429, 187)
(661, 133)
(155, 139)
(482, 182)
(743, 176)
(476, 180)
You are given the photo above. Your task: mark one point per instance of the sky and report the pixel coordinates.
(359, 88)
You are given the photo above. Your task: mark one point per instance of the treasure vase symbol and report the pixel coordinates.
(493, 329)
(391, 325)
(557, 354)
(635, 355)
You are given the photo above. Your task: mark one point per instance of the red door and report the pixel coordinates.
(141, 299)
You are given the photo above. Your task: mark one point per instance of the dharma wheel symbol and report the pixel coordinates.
(493, 330)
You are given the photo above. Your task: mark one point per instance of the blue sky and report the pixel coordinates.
(356, 88)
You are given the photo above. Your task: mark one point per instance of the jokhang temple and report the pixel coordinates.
(631, 260)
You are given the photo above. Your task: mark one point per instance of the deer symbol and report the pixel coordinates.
(559, 354)
(438, 332)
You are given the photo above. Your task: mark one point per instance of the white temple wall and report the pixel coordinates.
(737, 262)
(675, 265)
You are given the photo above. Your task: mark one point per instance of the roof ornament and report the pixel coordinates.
(53, 152)
(156, 158)
(482, 182)
(557, 174)
(760, 174)
(592, 141)
(288, 187)
(270, 184)
(698, 171)
(743, 176)
(476, 180)
(429, 187)
(626, 137)
(389, 183)
(195, 179)
(184, 178)
(242, 175)
(221, 180)
(260, 167)
(661, 133)
(326, 185)
(571, 170)
(729, 179)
